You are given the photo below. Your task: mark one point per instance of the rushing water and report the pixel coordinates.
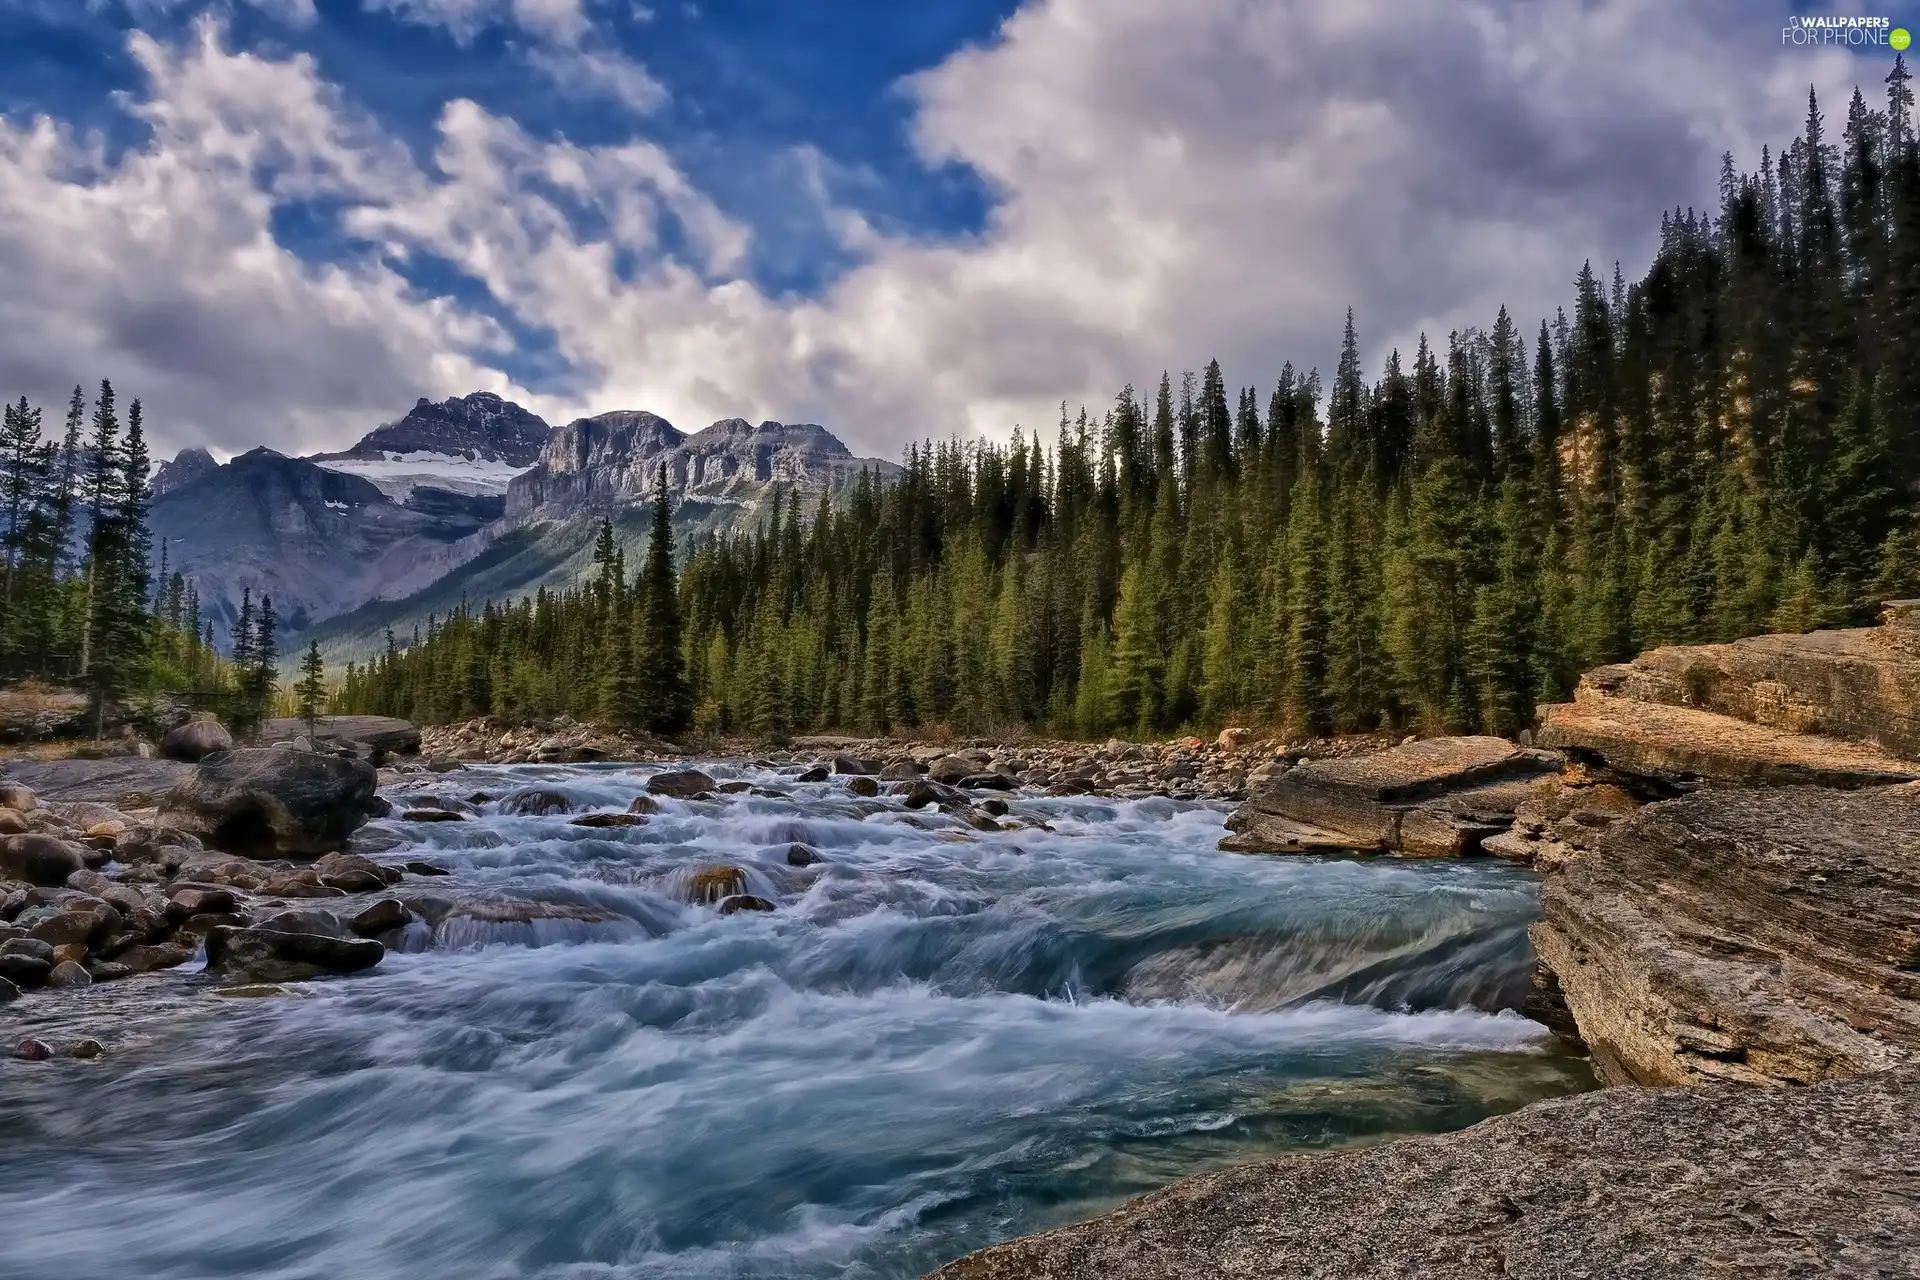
(940, 1039)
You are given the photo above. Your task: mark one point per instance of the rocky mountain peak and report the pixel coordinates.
(189, 465)
(481, 427)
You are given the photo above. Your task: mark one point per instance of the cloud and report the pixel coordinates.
(602, 73)
(1169, 181)
(159, 268)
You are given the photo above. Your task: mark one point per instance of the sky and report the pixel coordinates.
(281, 222)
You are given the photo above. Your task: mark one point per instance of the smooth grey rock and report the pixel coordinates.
(1663, 1183)
(535, 801)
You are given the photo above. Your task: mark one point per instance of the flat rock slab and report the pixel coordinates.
(1861, 683)
(1665, 741)
(1722, 1181)
(1760, 937)
(1438, 797)
(101, 781)
(380, 733)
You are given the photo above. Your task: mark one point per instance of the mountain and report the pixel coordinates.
(316, 540)
(470, 445)
(473, 497)
(188, 467)
(594, 466)
(604, 468)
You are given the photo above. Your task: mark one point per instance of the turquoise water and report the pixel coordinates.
(942, 1038)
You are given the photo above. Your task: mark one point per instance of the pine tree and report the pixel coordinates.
(312, 689)
(664, 693)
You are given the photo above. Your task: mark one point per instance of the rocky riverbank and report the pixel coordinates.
(1731, 835)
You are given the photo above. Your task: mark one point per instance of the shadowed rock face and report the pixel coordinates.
(263, 801)
(1758, 937)
(481, 425)
(1626, 1182)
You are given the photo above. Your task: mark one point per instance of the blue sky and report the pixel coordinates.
(281, 220)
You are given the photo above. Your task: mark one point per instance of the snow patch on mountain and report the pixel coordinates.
(398, 474)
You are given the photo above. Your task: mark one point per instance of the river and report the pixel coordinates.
(941, 1038)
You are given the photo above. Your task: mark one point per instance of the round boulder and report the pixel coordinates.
(680, 782)
(15, 796)
(535, 801)
(195, 740)
(274, 801)
(39, 859)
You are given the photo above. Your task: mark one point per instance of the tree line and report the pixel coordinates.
(82, 602)
(1727, 446)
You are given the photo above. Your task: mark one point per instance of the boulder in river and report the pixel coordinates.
(1435, 797)
(711, 884)
(535, 801)
(680, 782)
(289, 947)
(195, 740)
(738, 902)
(267, 801)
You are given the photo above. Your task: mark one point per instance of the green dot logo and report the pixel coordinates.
(1900, 39)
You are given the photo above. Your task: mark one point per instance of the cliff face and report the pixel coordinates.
(593, 466)
(1761, 938)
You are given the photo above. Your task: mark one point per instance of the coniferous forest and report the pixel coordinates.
(1727, 446)
(82, 603)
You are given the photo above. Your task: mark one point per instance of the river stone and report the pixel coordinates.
(355, 874)
(196, 900)
(387, 913)
(816, 774)
(799, 855)
(854, 765)
(264, 801)
(861, 785)
(644, 804)
(69, 974)
(15, 796)
(31, 1050)
(8, 991)
(288, 947)
(951, 769)
(738, 902)
(535, 801)
(1721, 1180)
(195, 740)
(711, 884)
(39, 859)
(680, 783)
(522, 922)
(25, 970)
(604, 820)
(432, 815)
